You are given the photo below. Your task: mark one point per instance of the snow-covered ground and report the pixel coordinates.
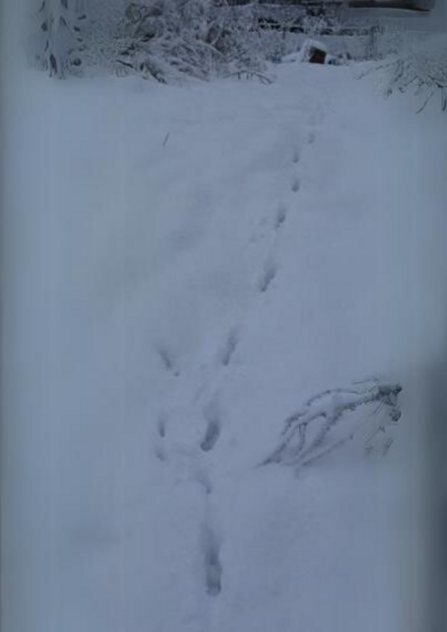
(188, 266)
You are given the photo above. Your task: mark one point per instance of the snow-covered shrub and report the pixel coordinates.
(163, 39)
(420, 66)
(200, 38)
(164, 34)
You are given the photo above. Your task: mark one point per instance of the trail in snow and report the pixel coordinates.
(205, 259)
(213, 568)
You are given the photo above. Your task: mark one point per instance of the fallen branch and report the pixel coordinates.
(312, 431)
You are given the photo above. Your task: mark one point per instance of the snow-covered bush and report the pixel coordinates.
(201, 38)
(420, 66)
(163, 39)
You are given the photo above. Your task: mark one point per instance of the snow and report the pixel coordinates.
(188, 265)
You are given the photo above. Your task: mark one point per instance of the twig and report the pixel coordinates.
(250, 73)
(125, 63)
(431, 93)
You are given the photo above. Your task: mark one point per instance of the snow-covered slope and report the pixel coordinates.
(188, 266)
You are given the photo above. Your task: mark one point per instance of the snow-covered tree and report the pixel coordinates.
(58, 43)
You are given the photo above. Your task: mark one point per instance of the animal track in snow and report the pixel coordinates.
(204, 481)
(161, 425)
(211, 436)
(268, 274)
(311, 138)
(296, 156)
(167, 358)
(230, 347)
(295, 184)
(212, 416)
(212, 563)
(160, 451)
(281, 215)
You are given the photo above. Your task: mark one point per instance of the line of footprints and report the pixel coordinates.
(270, 267)
(210, 539)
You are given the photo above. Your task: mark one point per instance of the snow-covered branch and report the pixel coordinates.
(421, 67)
(328, 420)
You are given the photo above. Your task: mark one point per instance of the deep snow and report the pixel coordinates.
(188, 265)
